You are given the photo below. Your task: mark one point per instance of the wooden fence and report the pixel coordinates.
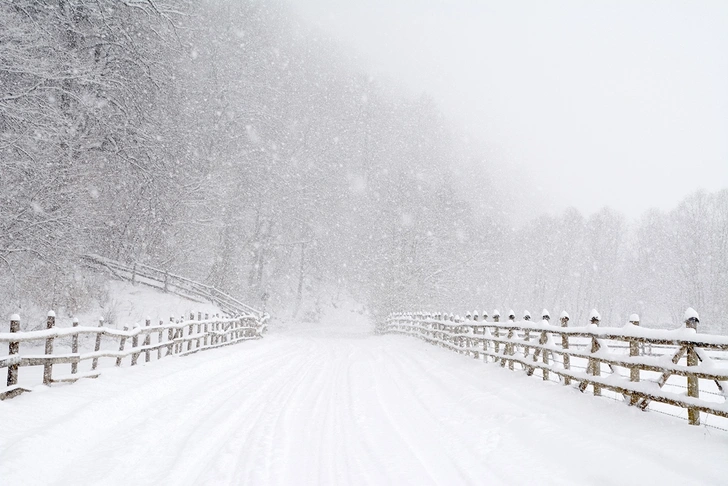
(615, 359)
(127, 346)
(169, 282)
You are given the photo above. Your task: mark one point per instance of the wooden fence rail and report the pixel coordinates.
(614, 358)
(176, 337)
(169, 282)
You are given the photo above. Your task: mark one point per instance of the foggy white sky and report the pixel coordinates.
(619, 103)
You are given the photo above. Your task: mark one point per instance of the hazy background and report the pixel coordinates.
(585, 104)
(403, 155)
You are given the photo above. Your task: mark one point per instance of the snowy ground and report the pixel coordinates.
(333, 404)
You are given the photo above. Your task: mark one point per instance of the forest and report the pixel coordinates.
(234, 144)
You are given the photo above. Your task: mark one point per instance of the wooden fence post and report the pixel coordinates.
(565, 345)
(486, 342)
(594, 318)
(74, 347)
(122, 342)
(97, 346)
(190, 331)
(207, 318)
(48, 367)
(170, 337)
(135, 345)
(160, 338)
(691, 321)
(199, 328)
(213, 330)
(133, 274)
(634, 350)
(179, 334)
(496, 334)
(147, 340)
(542, 341)
(510, 347)
(13, 348)
(526, 334)
(474, 331)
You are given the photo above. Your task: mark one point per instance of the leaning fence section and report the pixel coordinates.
(681, 368)
(67, 354)
(169, 282)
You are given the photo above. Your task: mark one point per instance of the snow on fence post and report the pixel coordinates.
(74, 347)
(147, 340)
(122, 342)
(691, 321)
(48, 366)
(13, 348)
(565, 345)
(97, 346)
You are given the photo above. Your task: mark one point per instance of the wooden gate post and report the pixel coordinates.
(634, 350)
(13, 348)
(691, 322)
(565, 345)
(74, 347)
(48, 367)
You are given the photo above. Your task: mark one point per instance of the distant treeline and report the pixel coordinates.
(230, 142)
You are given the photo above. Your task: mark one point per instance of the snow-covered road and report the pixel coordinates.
(303, 407)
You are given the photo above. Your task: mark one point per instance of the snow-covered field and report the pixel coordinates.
(332, 404)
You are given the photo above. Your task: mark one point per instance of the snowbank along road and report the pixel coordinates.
(337, 405)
